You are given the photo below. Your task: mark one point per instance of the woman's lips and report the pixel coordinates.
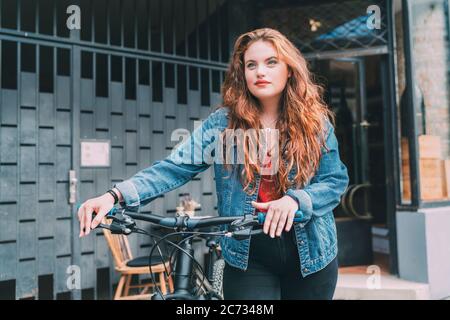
(262, 83)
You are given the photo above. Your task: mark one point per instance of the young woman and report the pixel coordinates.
(268, 90)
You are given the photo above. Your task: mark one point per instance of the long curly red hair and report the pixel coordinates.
(302, 113)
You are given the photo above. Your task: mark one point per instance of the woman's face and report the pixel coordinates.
(265, 73)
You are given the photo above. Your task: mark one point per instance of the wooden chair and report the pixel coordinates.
(127, 266)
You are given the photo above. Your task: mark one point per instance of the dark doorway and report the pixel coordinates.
(354, 91)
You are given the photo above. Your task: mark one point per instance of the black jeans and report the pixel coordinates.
(273, 273)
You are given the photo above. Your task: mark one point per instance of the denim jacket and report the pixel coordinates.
(315, 234)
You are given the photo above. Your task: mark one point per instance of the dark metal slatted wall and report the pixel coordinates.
(135, 72)
(35, 159)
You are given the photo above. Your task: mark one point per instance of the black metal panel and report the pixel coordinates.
(8, 115)
(8, 144)
(8, 222)
(8, 267)
(46, 219)
(62, 86)
(46, 250)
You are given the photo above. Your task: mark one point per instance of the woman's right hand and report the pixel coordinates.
(100, 205)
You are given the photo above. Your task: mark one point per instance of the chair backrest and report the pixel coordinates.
(119, 246)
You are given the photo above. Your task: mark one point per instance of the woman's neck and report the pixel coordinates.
(270, 107)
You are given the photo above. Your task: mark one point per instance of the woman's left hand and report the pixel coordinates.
(280, 214)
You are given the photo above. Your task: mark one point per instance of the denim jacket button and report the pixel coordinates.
(305, 270)
(302, 242)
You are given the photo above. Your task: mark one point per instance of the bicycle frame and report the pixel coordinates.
(182, 276)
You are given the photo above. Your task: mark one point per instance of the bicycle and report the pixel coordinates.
(238, 227)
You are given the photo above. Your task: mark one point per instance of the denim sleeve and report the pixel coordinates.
(326, 187)
(184, 163)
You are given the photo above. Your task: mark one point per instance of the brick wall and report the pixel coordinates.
(432, 64)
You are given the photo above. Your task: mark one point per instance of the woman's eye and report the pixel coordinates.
(272, 62)
(250, 65)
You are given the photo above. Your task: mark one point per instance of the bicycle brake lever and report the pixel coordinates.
(103, 226)
(116, 228)
(247, 221)
(245, 233)
(120, 230)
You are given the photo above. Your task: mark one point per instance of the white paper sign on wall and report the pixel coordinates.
(95, 153)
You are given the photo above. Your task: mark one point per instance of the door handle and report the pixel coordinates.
(72, 186)
(365, 124)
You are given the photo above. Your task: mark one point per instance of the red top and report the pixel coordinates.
(266, 191)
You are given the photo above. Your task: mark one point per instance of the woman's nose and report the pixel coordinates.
(260, 71)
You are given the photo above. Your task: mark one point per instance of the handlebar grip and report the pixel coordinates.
(111, 212)
(298, 217)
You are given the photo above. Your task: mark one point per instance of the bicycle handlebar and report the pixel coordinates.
(240, 226)
(192, 223)
(182, 221)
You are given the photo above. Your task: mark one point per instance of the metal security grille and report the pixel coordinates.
(136, 71)
(332, 26)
